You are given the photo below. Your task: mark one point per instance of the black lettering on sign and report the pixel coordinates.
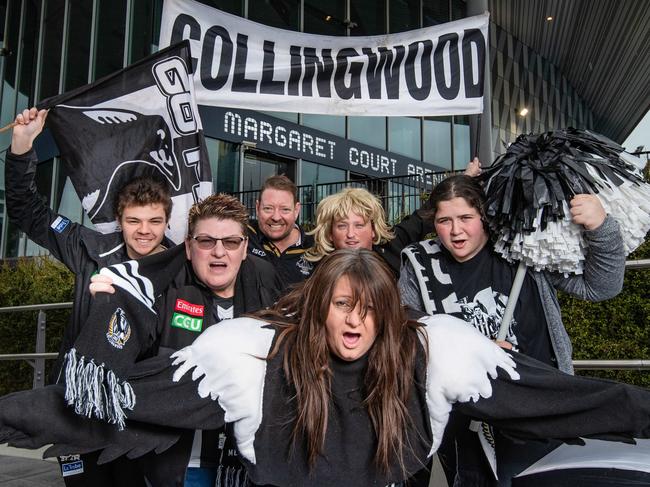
(296, 71)
(419, 92)
(447, 92)
(178, 31)
(239, 81)
(207, 58)
(268, 85)
(473, 36)
(322, 67)
(388, 65)
(354, 89)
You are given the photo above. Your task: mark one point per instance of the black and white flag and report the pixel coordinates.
(140, 120)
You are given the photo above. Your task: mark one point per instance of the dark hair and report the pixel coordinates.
(301, 316)
(281, 183)
(142, 191)
(459, 186)
(220, 206)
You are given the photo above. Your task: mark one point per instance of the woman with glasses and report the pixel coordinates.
(218, 281)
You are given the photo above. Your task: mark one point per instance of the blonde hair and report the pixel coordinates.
(337, 207)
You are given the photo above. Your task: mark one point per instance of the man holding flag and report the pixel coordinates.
(142, 210)
(113, 135)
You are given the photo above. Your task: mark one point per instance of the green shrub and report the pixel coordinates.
(30, 281)
(616, 329)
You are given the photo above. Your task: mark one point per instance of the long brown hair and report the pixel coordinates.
(301, 316)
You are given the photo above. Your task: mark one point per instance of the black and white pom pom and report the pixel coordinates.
(529, 188)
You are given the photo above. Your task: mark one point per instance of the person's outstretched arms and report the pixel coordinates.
(547, 403)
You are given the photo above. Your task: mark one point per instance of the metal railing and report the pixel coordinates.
(399, 195)
(37, 359)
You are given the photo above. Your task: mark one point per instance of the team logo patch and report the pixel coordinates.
(304, 266)
(189, 308)
(59, 224)
(259, 252)
(188, 316)
(71, 465)
(119, 329)
(187, 322)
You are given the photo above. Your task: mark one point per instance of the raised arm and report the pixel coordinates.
(604, 267)
(26, 208)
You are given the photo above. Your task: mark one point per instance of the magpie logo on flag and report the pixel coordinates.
(142, 120)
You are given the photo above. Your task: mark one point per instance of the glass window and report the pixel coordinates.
(369, 17)
(288, 116)
(28, 61)
(284, 14)
(3, 13)
(458, 9)
(235, 7)
(260, 165)
(224, 162)
(52, 42)
(462, 149)
(437, 141)
(325, 17)
(402, 200)
(404, 136)
(332, 124)
(319, 174)
(142, 30)
(109, 48)
(78, 52)
(9, 80)
(435, 12)
(403, 15)
(368, 130)
(310, 194)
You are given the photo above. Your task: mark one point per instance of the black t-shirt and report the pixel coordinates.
(482, 286)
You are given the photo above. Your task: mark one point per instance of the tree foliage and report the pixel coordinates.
(30, 281)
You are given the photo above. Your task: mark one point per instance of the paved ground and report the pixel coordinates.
(24, 468)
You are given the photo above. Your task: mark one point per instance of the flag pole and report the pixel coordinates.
(512, 301)
(478, 135)
(7, 127)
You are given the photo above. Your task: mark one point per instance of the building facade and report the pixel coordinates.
(52, 46)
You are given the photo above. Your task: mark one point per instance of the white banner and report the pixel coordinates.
(242, 64)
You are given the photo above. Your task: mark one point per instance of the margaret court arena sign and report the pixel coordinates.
(300, 142)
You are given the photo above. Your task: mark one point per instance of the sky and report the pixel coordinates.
(639, 136)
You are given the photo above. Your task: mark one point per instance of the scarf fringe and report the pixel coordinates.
(96, 391)
(231, 477)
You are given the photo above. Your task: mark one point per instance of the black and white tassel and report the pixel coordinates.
(95, 391)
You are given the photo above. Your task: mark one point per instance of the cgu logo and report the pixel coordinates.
(190, 323)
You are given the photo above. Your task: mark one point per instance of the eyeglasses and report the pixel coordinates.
(207, 243)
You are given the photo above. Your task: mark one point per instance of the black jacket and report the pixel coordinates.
(516, 393)
(81, 249)
(411, 229)
(291, 265)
